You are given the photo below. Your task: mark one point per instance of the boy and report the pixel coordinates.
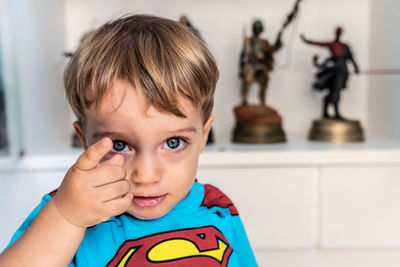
(142, 90)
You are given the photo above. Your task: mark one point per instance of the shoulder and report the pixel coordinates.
(264, 41)
(214, 197)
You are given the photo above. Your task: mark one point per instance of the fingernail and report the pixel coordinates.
(105, 141)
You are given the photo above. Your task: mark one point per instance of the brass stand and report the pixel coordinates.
(258, 134)
(258, 125)
(336, 131)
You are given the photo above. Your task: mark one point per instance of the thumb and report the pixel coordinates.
(116, 160)
(93, 155)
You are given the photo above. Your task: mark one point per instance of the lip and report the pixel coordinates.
(148, 201)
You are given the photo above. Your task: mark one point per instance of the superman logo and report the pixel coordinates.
(205, 246)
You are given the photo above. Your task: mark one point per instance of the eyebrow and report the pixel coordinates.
(188, 129)
(99, 134)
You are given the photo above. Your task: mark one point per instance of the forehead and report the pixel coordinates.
(124, 105)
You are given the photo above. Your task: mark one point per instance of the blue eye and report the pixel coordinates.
(174, 143)
(119, 145)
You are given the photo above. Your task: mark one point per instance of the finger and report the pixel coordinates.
(116, 160)
(113, 191)
(93, 155)
(118, 206)
(106, 174)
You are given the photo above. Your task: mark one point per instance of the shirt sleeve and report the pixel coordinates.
(241, 244)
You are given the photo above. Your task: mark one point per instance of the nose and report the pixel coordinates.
(146, 169)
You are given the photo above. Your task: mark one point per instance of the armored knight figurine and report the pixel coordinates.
(256, 61)
(259, 123)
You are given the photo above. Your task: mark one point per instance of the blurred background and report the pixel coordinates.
(302, 203)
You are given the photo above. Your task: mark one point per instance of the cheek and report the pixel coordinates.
(181, 169)
(183, 172)
(185, 156)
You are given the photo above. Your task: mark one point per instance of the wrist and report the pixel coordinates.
(53, 202)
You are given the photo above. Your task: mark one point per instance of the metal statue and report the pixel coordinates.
(257, 57)
(256, 61)
(333, 75)
(259, 123)
(333, 72)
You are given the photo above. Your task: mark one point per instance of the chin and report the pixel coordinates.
(147, 215)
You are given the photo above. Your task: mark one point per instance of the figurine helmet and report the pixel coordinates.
(257, 27)
(338, 31)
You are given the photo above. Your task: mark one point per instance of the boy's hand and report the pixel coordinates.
(92, 192)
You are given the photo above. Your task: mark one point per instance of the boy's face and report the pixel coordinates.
(160, 150)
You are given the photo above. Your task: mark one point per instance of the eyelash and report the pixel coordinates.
(114, 142)
(180, 138)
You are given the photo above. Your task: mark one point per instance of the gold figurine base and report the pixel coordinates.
(258, 134)
(257, 125)
(336, 131)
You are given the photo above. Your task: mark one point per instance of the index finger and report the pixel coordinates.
(93, 155)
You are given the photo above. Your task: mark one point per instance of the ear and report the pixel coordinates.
(206, 130)
(79, 132)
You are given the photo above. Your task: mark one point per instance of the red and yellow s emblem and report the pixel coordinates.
(205, 246)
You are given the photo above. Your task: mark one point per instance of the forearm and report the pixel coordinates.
(355, 65)
(49, 241)
(317, 43)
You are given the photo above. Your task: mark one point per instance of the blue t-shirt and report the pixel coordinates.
(204, 229)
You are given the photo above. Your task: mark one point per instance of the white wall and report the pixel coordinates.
(384, 93)
(38, 28)
(221, 23)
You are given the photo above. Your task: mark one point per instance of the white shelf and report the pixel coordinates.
(302, 152)
(293, 153)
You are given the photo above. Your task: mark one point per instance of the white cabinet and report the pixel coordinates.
(276, 204)
(311, 195)
(360, 207)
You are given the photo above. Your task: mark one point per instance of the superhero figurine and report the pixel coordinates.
(256, 61)
(333, 73)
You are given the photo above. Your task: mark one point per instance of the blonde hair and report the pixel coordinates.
(160, 56)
